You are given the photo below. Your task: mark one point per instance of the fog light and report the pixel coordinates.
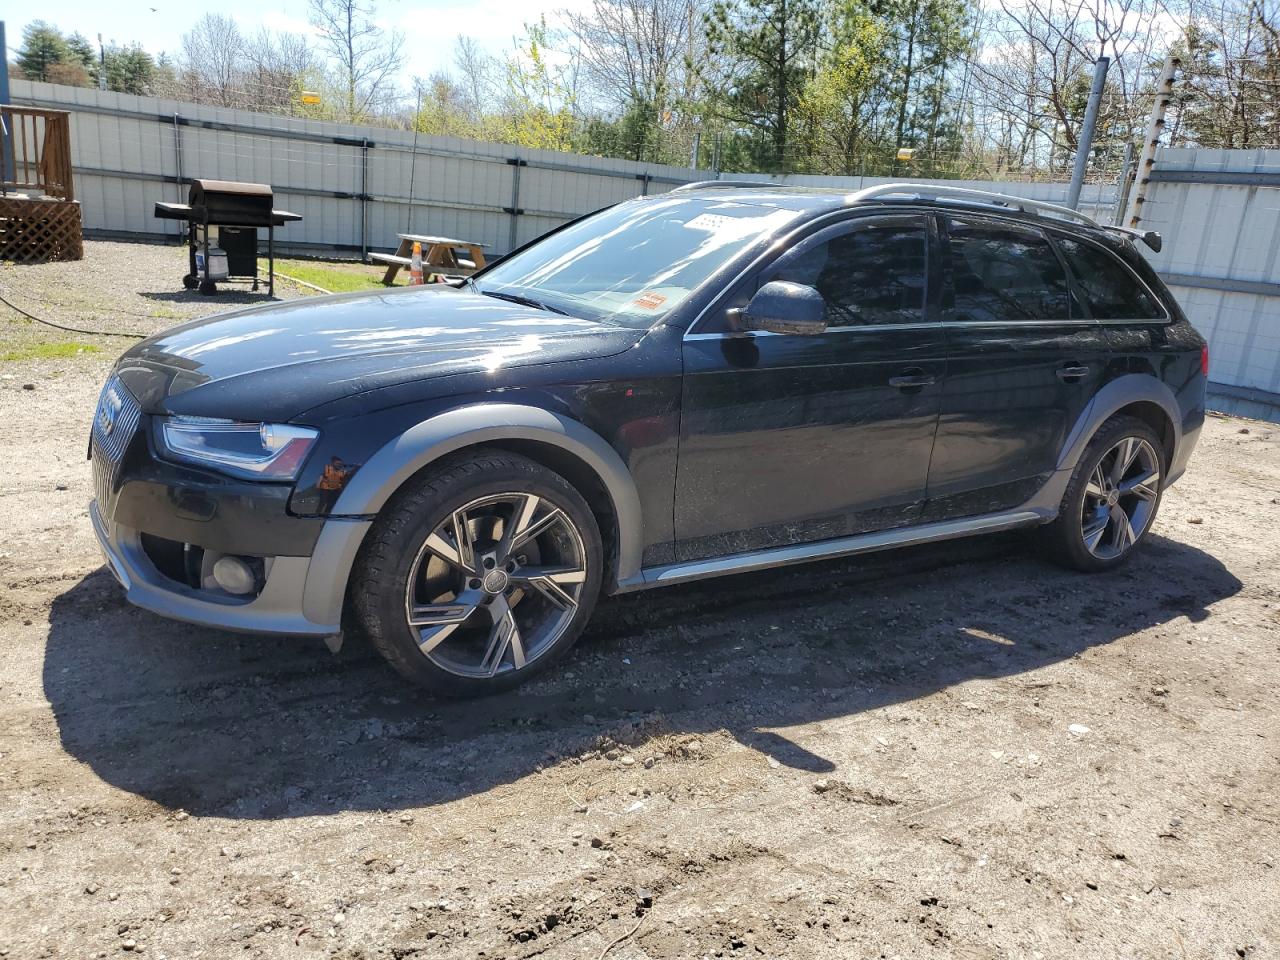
(234, 575)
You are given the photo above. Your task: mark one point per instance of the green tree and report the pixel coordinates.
(43, 47)
(770, 49)
(929, 37)
(130, 70)
(538, 100)
(840, 101)
(81, 51)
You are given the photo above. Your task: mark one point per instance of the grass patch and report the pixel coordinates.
(336, 276)
(47, 351)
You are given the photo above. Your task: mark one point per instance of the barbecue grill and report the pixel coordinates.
(237, 210)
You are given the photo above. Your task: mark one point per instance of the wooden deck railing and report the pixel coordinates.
(39, 155)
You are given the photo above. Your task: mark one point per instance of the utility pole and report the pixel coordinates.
(6, 151)
(1084, 142)
(102, 64)
(1147, 159)
(697, 144)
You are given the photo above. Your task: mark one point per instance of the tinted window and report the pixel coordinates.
(872, 275)
(1002, 275)
(1112, 292)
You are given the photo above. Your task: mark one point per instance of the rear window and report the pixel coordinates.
(1003, 275)
(1109, 288)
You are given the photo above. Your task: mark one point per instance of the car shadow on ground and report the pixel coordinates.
(253, 727)
(239, 295)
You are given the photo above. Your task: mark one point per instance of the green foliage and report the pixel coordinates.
(55, 350)
(48, 55)
(334, 276)
(130, 69)
(43, 47)
(81, 51)
(538, 101)
(928, 38)
(771, 46)
(839, 101)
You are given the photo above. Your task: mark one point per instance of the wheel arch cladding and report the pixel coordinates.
(1136, 394)
(559, 443)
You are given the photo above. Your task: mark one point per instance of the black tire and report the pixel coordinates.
(189, 281)
(397, 544)
(1065, 538)
(208, 288)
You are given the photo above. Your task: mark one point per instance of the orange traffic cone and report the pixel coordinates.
(415, 264)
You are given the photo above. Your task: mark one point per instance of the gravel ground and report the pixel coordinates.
(949, 752)
(117, 288)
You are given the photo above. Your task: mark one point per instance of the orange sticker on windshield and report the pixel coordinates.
(650, 301)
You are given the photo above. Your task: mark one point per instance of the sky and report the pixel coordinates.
(430, 28)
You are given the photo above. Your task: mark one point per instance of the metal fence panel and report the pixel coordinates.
(1219, 214)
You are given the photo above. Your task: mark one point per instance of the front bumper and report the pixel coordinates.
(162, 526)
(302, 596)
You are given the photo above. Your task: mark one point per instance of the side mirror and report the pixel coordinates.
(781, 306)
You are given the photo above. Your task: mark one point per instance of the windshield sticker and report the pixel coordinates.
(710, 222)
(650, 301)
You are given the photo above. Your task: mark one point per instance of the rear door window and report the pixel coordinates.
(1109, 288)
(1002, 274)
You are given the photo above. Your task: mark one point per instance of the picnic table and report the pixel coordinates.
(440, 255)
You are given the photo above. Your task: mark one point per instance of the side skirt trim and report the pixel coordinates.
(827, 549)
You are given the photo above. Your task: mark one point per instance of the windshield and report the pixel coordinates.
(634, 263)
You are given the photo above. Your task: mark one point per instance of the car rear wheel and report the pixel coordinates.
(1112, 499)
(479, 575)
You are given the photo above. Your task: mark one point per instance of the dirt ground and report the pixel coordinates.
(958, 751)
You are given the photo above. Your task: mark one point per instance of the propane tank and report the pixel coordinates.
(415, 264)
(217, 264)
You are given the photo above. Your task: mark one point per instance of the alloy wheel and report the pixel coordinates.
(1120, 498)
(495, 584)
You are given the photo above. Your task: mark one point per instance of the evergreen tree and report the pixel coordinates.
(81, 51)
(770, 47)
(42, 47)
(130, 70)
(930, 38)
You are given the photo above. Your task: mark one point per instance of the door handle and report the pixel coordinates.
(912, 379)
(1072, 373)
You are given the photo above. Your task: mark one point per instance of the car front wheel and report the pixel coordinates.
(480, 574)
(1112, 499)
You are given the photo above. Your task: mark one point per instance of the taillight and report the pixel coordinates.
(1204, 359)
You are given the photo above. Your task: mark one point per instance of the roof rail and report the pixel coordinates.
(724, 184)
(929, 191)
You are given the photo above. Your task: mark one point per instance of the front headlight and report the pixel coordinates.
(256, 451)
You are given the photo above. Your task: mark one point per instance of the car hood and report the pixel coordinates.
(282, 359)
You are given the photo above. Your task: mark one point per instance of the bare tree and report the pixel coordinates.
(632, 50)
(211, 52)
(1030, 81)
(637, 62)
(275, 68)
(365, 57)
(1230, 95)
(478, 74)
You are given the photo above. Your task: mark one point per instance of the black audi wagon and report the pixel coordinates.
(719, 379)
